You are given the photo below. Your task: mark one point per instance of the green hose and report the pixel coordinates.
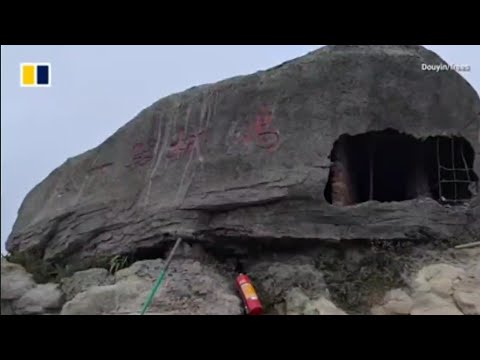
(153, 292)
(160, 279)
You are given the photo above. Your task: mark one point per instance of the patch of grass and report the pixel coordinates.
(117, 263)
(45, 271)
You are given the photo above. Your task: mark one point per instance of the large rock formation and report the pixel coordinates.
(254, 157)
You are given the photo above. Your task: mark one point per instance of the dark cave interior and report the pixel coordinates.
(388, 166)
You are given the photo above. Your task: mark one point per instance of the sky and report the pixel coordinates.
(97, 89)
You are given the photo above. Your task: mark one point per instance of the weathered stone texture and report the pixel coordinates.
(249, 157)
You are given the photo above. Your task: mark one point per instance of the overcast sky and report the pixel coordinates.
(97, 89)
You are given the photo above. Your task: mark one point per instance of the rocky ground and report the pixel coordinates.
(336, 280)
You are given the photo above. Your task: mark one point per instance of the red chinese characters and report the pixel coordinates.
(185, 145)
(142, 153)
(262, 133)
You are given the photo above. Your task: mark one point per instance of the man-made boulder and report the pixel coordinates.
(263, 157)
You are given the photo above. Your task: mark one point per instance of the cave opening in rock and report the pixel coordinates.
(389, 166)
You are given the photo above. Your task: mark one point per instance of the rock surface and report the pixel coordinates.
(468, 300)
(44, 298)
(274, 278)
(297, 303)
(7, 308)
(396, 302)
(438, 279)
(83, 280)
(248, 158)
(108, 299)
(432, 304)
(318, 281)
(438, 289)
(15, 281)
(190, 288)
(22, 296)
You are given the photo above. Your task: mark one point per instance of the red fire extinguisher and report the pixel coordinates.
(253, 306)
